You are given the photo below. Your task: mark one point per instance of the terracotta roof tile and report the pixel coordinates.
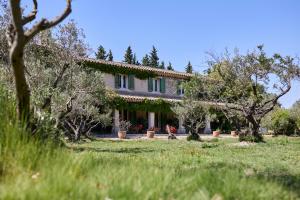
(159, 72)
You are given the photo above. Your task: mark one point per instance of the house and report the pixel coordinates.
(145, 94)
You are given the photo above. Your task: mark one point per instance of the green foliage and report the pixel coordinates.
(146, 105)
(154, 59)
(248, 137)
(110, 56)
(240, 82)
(162, 65)
(193, 137)
(146, 60)
(101, 53)
(193, 115)
(170, 67)
(283, 123)
(189, 68)
(20, 151)
(105, 68)
(209, 145)
(128, 57)
(295, 112)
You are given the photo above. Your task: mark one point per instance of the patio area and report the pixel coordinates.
(158, 136)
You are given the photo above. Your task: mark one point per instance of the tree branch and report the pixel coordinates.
(275, 99)
(45, 24)
(16, 14)
(31, 16)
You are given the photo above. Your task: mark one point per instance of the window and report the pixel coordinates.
(155, 85)
(124, 85)
(180, 88)
(121, 81)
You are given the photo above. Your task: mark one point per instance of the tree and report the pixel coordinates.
(18, 36)
(146, 60)
(295, 112)
(128, 57)
(189, 68)
(162, 65)
(170, 67)
(154, 60)
(101, 53)
(193, 115)
(283, 122)
(70, 93)
(110, 56)
(238, 84)
(134, 59)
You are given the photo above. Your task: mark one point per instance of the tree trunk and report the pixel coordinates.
(254, 127)
(22, 88)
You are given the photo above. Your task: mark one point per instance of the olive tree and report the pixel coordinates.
(74, 95)
(193, 114)
(250, 84)
(18, 36)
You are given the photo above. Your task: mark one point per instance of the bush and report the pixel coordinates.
(283, 123)
(194, 137)
(247, 137)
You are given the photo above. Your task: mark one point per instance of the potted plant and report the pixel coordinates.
(217, 133)
(124, 126)
(151, 132)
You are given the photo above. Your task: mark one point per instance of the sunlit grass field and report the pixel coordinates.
(157, 170)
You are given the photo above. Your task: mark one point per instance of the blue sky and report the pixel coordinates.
(183, 30)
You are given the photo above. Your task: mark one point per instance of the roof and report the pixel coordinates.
(137, 99)
(156, 71)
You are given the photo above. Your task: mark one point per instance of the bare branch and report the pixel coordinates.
(31, 16)
(45, 24)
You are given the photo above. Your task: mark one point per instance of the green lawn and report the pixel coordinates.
(160, 170)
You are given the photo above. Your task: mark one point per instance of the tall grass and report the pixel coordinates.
(19, 151)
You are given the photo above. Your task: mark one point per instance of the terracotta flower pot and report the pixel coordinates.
(150, 134)
(216, 133)
(233, 133)
(122, 134)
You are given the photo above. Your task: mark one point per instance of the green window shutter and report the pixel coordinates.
(117, 80)
(178, 87)
(163, 85)
(131, 82)
(150, 85)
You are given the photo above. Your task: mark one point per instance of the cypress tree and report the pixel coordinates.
(128, 57)
(162, 65)
(146, 60)
(134, 59)
(110, 56)
(101, 53)
(170, 67)
(189, 68)
(154, 60)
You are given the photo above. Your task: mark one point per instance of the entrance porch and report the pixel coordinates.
(142, 121)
